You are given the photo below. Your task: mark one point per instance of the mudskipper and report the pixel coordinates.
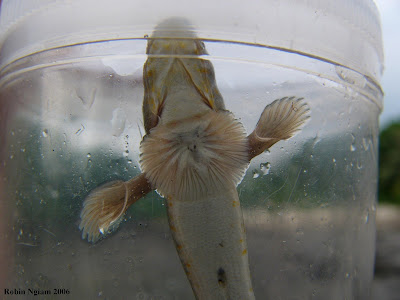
(194, 153)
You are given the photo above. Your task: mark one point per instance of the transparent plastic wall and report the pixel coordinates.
(71, 94)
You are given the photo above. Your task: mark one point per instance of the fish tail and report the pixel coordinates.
(280, 120)
(104, 208)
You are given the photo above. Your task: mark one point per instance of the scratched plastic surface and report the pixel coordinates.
(71, 119)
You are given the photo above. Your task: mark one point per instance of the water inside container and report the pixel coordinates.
(73, 120)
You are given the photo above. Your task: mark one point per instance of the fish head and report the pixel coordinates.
(179, 80)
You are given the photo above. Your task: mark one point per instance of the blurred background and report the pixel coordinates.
(387, 269)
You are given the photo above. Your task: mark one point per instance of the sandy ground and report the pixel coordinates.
(386, 284)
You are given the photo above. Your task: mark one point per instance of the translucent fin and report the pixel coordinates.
(280, 120)
(104, 208)
(189, 158)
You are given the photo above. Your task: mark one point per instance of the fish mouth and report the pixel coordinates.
(191, 158)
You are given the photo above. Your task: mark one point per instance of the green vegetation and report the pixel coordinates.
(389, 164)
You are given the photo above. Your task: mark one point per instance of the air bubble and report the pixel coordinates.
(256, 174)
(45, 133)
(88, 155)
(264, 168)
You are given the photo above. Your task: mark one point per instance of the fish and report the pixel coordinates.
(195, 154)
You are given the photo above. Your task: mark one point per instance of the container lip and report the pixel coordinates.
(344, 32)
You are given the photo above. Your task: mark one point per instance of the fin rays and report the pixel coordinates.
(203, 153)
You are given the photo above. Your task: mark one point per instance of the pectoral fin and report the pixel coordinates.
(280, 120)
(104, 208)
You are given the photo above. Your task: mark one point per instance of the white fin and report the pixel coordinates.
(280, 120)
(189, 158)
(103, 210)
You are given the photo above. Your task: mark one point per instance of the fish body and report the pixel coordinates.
(195, 153)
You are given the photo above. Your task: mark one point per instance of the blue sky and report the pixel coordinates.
(390, 16)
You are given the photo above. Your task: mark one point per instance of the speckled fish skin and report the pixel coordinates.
(195, 154)
(211, 242)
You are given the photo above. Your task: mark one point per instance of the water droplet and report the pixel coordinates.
(45, 133)
(359, 165)
(125, 153)
(304, 171)
(366, 219)
(347, 275)
(88, 155)
(264, 168)
(256, 174)
(366, 143)
(80, 130)
(86, 95)
(101, 230)
(129, 161)
(23, 149)
(353, 148)
(100, 293)
(11, 156)
(118, 122)
(334, 160)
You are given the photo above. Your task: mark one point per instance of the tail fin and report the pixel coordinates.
(105, 206)
(280, 120)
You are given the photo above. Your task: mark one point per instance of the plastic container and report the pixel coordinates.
(71, 91)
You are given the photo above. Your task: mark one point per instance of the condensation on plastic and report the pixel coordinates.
(345, 32)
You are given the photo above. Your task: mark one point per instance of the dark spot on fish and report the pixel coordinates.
(221, 277)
